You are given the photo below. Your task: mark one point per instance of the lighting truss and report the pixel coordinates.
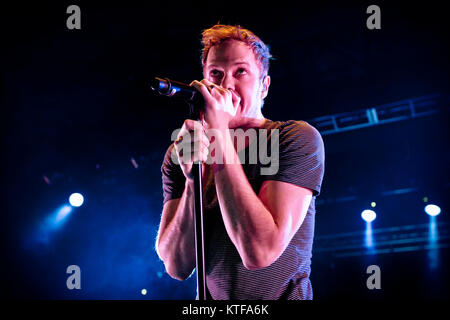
(397, 111)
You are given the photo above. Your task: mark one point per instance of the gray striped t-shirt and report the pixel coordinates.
(301, 162)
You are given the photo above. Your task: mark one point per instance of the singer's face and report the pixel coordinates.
(233, 66)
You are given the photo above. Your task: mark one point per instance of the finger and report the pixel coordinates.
(186, 149)
(205, 139)
(188, 125)
(198, 131)
(197, 136)
(201, 157)
(217, 91)
(178, 140)
(235, 98)
(188, 153)
(202, 88)
(198, 153)
(205, 155)
(200, 145)
(186, 137)
(199, 140)
(212, 87)
(208, 83)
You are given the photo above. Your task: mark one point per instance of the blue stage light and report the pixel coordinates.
(368, 215)
(61, 214)
(432, 210)
(76, 199)
(368, 239)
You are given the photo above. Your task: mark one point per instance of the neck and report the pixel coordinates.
(254, 120)
(247, 123)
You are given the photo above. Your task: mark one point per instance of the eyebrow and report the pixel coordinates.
(234, 64)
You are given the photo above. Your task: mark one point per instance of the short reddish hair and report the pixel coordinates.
(220, 33)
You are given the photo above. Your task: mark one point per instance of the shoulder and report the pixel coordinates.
(298, 130)
(169, 150)
(168, 160)
(301, 154)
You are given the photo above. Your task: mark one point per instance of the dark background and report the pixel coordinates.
(75, 111)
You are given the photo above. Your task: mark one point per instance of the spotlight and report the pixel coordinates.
(368, 215)
(76, 199)
(62, 214)
(432, 210)
(368, 239)
(144, 292)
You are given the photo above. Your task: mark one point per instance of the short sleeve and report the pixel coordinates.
(301, 156)
(173, 179)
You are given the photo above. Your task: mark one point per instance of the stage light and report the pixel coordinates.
(433, 253)
(373, 204)
(76, 199)
(53, 222)
(432, 210)
(368, 215)
(368, 239)
(61, 214)
(144, 292)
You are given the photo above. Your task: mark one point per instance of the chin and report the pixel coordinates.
(248, 114)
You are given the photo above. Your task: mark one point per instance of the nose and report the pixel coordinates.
(227, 82)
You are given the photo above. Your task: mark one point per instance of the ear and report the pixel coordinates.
(265, 87)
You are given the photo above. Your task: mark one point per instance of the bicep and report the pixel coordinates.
(288, 205)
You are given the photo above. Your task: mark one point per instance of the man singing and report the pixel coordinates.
(258, 216)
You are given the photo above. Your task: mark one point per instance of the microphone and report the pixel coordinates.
(175, 89)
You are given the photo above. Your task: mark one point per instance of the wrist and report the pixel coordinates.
(189, 184)
(225, 152)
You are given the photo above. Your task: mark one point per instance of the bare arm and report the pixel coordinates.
(175, 244)
(176, 239)
(260, 226)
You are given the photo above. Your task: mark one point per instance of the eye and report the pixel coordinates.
(241, 71)
(215, 73)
